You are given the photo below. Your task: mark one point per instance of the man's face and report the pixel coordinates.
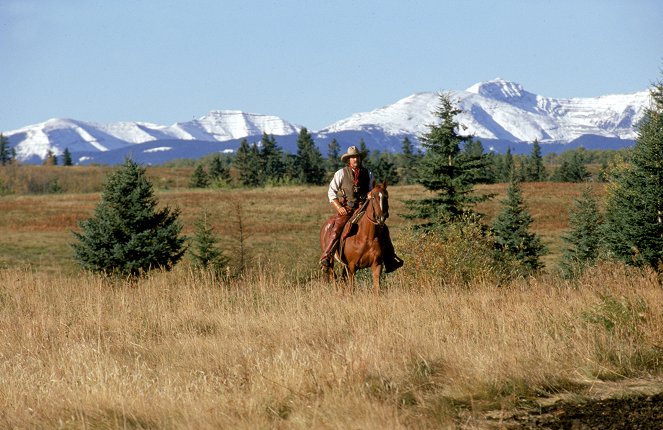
(354, 162)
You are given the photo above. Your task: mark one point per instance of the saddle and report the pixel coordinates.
(350, 229)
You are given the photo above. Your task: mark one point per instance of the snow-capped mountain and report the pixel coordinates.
(500, 113)
(503, 110)
(33, 142)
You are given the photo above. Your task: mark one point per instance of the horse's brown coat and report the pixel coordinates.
(364, 248)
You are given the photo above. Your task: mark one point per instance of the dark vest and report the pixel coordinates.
(354, 195)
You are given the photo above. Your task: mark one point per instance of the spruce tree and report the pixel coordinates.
(536, 171)
(5, 154)
(506, 173)
(247, 163)
(271, 157)
(309, 163)
(513, 239)
(634, 209)
(66, 158)
(407, 161)
(334, 162)
(128, 235)
(199, 178)
(583, 241)
(218, 171)
(368, 159)
(384, 169)
(51, 159)
(204, 250)
(444, 171)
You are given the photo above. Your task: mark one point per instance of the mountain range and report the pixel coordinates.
(499, 113)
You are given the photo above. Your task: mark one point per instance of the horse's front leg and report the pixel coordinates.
(377, 271)
(351, 269)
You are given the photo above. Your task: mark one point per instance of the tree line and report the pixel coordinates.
(265, 163)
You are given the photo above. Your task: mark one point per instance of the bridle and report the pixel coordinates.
(379, 220)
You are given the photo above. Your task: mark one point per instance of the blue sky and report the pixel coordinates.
(309, 62)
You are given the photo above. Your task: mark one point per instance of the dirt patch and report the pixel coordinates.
(619, 405)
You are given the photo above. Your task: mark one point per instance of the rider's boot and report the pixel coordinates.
(330, 247)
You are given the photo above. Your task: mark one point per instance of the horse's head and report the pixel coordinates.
(380, 203)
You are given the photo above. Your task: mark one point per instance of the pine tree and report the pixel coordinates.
(309, 162)
(5, 154)
(584, 238)
(384, 169)
(51, 159)
(271, 156)
(507, 172)
(572, 168)
(536, 171)
(476, 162)
(368, 157)
(407, 161)
(247, 163)
(445, 171)
(66, 158)
(513, 239)
(334, 162)
(218, 171)
(128, 236)
(204, 251)
(199, 178)
(634, 209)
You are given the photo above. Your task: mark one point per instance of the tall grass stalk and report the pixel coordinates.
(184, 350)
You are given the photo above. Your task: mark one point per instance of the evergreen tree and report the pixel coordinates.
(128, 236)
(199, 178)
(368, 160)
(584, 238)
(407, 161)
(513, 239)
(271, 156)
(384, 169)
(66, 158)
(5, 154)
(444, 171)
(476, 162)
(204, 251)
(309, 161)
(334, 162)
(218, 171)
(51, 159)
(634, 210)
(536, 171)
(572, 168)
(247, 163)
(507, 172)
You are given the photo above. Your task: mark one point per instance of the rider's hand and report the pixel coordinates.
(342, 210)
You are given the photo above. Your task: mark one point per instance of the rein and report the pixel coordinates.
(362, 210)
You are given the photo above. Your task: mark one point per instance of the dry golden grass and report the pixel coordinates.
(278, 349)
(181, 351)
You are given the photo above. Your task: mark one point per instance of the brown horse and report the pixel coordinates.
(363, 243)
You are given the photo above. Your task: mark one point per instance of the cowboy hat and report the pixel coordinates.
(353, 152)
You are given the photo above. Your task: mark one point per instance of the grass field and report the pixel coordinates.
(277, 348)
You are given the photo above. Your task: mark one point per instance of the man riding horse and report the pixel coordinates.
(347, 192)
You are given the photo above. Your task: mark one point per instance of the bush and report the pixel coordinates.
(457, 255)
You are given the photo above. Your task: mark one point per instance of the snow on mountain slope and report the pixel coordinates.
(496, 110)
(79, 136)
(221, 125)
(500, 109)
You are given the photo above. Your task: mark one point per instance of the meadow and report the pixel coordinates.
(275, 347)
